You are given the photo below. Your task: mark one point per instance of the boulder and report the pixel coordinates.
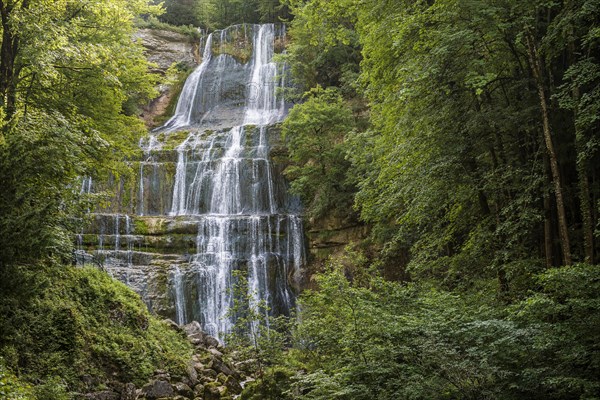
(129, 392)
(212, 391)
(220, 366)
(233, 385)
(173, 325)
(199, 390)
(193, 328)
(221, 378)
(211, 341)
(192, 375)
(216, 353)
(199, 367)
(184, 390)
(104, 395)
(157, 389)
(162, 375)
(209, 373)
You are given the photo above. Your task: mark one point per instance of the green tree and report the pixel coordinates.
(324, 49)
(386, 340)
(256, 335)
(71, 79)
(181, 12)
(315, 131)
(467, 162)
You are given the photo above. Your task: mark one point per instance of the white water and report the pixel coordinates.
(183, 112)
(225, 180)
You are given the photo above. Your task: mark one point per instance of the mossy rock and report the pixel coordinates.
(71, 322)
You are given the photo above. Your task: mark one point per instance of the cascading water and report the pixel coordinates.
(225, 181)
(209, 200)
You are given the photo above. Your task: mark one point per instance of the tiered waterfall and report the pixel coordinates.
(208, 198)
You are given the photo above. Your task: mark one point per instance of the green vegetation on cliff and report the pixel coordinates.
(71, 81)
(78, 330)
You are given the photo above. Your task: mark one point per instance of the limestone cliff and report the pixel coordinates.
(164, 49)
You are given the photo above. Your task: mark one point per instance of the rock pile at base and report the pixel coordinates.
(208, 377)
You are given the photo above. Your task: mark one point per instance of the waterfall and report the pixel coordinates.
(209, 200)
(183, 111)
(233, 193)
(180, 311)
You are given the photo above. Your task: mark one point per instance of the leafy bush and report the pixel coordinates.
(11, 388)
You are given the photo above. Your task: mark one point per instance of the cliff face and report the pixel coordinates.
(164, 49)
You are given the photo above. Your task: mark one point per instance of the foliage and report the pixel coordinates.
(152, 22)
(218, 14)
(256, 335)
(315, 132)
(58, 325)
(11, 388)
(324, 49)
(69, 94)
(410, 341)
(453, 167)
(274, 384)
(179, 12)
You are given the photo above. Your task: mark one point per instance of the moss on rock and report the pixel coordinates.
(82, 327)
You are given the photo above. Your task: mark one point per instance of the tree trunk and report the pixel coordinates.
(536, 68)
(584, 186)
(583, 182)
(548, 236)
(8, 51)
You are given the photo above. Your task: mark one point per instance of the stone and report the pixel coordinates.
(104, 395)
(162, 375)
(212, 392)
(216, 353)
(221, 377)
(184, 390)
(209, 373)
(192, 374)
(173, 325)
(220, 366)
(157, 389)
(233, 384)
(211, 342)
(199, 367)
(193, 328)
(199, 390)
(129, 392)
